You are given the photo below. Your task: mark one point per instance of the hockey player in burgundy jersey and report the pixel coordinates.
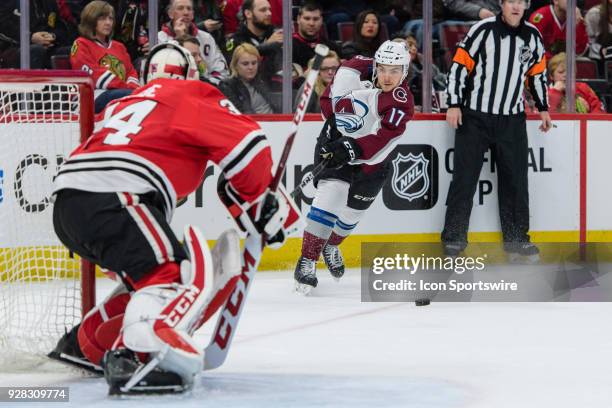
(114, 199)
(364, 121)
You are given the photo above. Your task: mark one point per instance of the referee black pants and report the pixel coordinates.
(507, 136)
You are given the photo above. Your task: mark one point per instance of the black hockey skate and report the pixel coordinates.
(68, 351)
(522, 252)
(126, 374)
(452, 249)
(305, 276)
(333, 261)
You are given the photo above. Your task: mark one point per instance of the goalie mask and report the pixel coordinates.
(170, 60)
(392, 53)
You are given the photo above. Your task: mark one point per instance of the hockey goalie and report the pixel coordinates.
(114, 200)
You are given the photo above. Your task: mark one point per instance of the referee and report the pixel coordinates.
(485, 96)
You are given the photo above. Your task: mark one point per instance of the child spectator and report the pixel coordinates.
(587, 100)
(107, 61)
(192, 45)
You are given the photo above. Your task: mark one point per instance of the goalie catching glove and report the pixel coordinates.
(273, 213)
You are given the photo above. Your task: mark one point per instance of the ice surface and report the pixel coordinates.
(331, 350)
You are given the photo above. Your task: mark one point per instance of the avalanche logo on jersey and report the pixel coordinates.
(410, 176)
(349, 113)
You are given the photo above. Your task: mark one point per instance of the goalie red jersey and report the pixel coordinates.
(160, 139)
(109, 65)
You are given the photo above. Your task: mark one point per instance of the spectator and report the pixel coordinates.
(329, 66)
(550, 20)
(587, 100)
(390, 12)
(245, 89)
(340, 11)
(232, 14)
(107, 61)
(471, 10)
(415, 73)
(191, 44)
(308, 35)
(51, 35)
(132, 28)
(599, 29)
(366, 36)
(256, 29)
(209, 17)
(415, 24)
(181, 23)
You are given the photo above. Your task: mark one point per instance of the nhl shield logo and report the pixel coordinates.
(410, 176)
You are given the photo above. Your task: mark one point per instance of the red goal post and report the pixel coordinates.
(44, 291)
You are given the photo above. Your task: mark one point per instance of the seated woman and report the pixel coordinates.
(366, 36)
(328, 69)
(245, 89)
(587, 100)
(107, 61)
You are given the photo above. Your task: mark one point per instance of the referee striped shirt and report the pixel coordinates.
(492, 65)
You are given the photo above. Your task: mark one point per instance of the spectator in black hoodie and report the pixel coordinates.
(50, 33)
(256, 29)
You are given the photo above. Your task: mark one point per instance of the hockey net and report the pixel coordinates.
(44, 290)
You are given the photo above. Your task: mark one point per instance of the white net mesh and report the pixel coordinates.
(40, 284)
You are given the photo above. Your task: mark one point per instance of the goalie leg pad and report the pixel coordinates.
(99, 329)
(159, 319)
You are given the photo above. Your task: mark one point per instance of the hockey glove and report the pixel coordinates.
(340, 151)
(272, 214)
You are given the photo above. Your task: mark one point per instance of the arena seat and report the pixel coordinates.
(60, 61)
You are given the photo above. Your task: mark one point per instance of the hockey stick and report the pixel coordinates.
(309, 178)
(216, 351)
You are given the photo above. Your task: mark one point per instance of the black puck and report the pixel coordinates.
(422, 302)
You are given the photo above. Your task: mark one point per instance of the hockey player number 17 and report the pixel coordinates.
(400, 115)
(126, 122)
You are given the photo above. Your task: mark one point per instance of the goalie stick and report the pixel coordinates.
(216, 351)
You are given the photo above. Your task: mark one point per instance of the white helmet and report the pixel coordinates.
(392, 53)
(170, 60)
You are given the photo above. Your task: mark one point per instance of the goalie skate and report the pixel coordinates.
(305, 276)
(126, 374)
(67, 351)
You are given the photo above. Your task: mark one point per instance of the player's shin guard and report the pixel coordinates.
(159, 320)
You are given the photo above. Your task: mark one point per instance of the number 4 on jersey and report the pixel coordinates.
(126, 122)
